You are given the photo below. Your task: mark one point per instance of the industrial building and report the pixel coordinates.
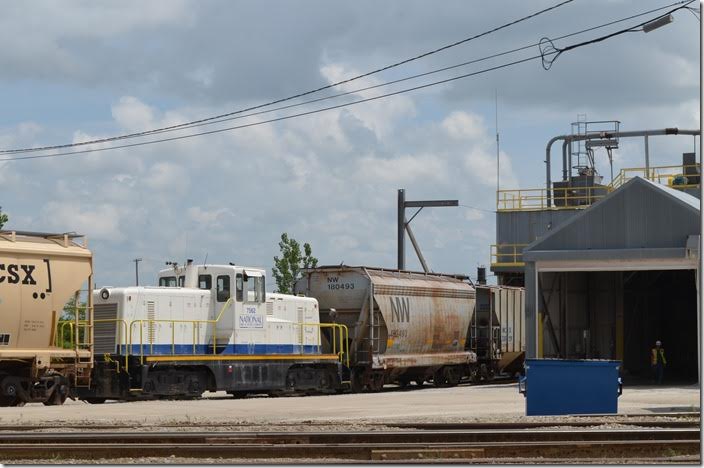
(608, 269)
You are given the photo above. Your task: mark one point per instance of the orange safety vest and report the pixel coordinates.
(654, 356)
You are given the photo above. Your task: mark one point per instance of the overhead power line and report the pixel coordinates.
(387, 83)
(542, 55)
(306, 93)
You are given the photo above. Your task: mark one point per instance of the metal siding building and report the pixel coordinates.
(580, 296)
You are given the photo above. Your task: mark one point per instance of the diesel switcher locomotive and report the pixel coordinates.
(210, 328)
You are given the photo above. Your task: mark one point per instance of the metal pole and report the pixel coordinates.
(136, 270)
(417, 248)
(498, 160)
(647, 159)
(401, 228)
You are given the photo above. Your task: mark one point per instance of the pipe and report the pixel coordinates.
(566, 168)
(604, 135)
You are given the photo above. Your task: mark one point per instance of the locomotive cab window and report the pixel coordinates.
(223, 288)
(254, 288)
(168, 281)
(239, 287)
(181, 280)
(205, 282)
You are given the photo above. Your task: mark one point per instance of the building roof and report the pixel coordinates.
(636, 219)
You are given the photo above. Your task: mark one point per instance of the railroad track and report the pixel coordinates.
(390, 445)
(674, 420)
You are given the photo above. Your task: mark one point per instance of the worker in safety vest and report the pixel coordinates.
(658, 361)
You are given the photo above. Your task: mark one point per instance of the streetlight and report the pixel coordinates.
(657, 23)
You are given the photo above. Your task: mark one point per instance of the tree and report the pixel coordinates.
(3, 218)
(287, 269)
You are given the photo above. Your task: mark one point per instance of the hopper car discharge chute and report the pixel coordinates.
(39, 273)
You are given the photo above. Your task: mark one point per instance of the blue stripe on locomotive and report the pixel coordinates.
(244, 349)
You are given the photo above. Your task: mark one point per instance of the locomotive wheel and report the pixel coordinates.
(55, 399)
(95, 400)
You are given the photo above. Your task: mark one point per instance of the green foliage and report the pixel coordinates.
(68, 314)
(287, 268)
(3, 218)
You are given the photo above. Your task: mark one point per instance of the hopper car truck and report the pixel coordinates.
(39, 273)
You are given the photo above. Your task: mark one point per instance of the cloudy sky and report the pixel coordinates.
(74, 71)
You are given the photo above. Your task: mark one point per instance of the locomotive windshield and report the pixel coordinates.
(168, 281)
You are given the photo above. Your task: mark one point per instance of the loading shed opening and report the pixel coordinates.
(617, 277)
(619, 315)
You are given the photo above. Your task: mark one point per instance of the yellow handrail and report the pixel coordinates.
(507, 254)
(339, 332)
(571, 198)
(173, 322)
(342, 333)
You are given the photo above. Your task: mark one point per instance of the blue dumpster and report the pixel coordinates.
(570, 386)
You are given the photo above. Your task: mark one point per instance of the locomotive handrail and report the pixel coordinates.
(59, 341)
(195, 323)
(343, 354)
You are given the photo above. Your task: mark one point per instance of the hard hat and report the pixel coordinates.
(658, 343)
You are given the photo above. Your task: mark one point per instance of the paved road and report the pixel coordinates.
(428, 404)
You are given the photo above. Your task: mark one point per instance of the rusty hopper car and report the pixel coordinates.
(39, 273)
(496, 331)
(404, 326)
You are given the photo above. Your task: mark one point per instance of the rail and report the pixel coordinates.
(680, 177)
(507, 255)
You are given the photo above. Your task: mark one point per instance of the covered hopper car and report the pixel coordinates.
(39, 273)
(403, 326)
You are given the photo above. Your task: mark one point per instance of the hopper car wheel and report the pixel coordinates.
(403, 382)
(439, 378)
(419, 383)
(376, 383)
(452, 376)
(356, 381)
(10, 397)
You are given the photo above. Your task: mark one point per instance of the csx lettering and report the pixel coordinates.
(13, 273)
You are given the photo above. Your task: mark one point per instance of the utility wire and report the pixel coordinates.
(547, 46)
(277, 119)
(306, 93)
(231, 116)
(542, 56)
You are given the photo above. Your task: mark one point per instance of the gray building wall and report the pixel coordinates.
(638, 217)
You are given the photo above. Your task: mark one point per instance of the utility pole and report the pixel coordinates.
(405, 225)
(136, 270)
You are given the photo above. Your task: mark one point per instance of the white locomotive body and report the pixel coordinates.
(208, 309)
(209, 327)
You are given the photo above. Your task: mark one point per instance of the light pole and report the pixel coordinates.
(136, 270)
